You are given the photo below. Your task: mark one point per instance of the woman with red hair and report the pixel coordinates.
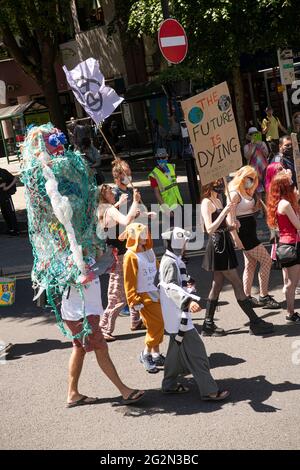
(272, 171)
(283, 213)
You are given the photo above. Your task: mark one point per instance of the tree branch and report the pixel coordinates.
(17, 52)
(28, 39)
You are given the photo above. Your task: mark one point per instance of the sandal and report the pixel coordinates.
(5, 349)
(134, 397)
(179, 389)
(108, 338)
(221, 395)
(84, 400)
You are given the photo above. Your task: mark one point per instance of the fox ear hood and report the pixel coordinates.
(132, 235)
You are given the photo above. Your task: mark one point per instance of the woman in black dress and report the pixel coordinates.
(220, 258)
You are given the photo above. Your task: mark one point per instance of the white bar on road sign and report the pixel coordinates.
(173, 41)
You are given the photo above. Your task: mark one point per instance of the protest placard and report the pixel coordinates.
(213, 133)
(296, 156)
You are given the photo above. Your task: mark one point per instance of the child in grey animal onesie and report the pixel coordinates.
(186, 352)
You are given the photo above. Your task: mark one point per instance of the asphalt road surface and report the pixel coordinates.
(262, 374)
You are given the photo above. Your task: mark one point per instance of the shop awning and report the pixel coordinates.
(19, 109)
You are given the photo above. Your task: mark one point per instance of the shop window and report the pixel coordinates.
(90, 14)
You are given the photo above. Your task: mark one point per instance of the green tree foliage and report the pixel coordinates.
(220, 31)
(31, 31)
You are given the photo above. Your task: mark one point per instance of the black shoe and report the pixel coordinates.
(293, 319)
(211, 329)
(254, 302)
(269, 302)
(261, 328)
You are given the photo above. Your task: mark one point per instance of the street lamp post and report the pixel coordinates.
(188, 157)
(165, 9)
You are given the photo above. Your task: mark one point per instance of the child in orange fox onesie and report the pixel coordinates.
(140, 267)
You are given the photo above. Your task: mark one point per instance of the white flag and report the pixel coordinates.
(2, 92)
(88, 86)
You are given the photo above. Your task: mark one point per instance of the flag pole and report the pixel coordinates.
(116, 159)
(108, 144)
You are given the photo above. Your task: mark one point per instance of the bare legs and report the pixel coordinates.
(105, 363)
(291, 276)
(75, 368)
(107, 366)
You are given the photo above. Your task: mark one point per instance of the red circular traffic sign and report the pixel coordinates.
(172, 41)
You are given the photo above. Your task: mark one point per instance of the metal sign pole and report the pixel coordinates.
(285, 95)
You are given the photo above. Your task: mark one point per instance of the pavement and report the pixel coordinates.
(262, 374)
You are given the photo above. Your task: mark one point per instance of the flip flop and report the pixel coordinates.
(130, 400)
(85, 400)
(221, 395)
(6, 348)
(179, 389)
(109, 338)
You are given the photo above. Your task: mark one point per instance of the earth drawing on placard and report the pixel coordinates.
(195, 115)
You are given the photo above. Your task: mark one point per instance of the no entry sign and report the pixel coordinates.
(172, 41)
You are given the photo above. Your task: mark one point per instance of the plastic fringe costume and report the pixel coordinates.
(60, 195)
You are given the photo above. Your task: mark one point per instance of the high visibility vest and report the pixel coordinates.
(168, 187)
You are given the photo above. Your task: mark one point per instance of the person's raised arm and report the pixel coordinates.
(6, 187)
(265, 126)
(207, 210)
(122, 219)
(249, 150)
(231, 219)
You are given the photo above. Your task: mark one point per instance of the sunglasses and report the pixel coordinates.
(105, 187)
